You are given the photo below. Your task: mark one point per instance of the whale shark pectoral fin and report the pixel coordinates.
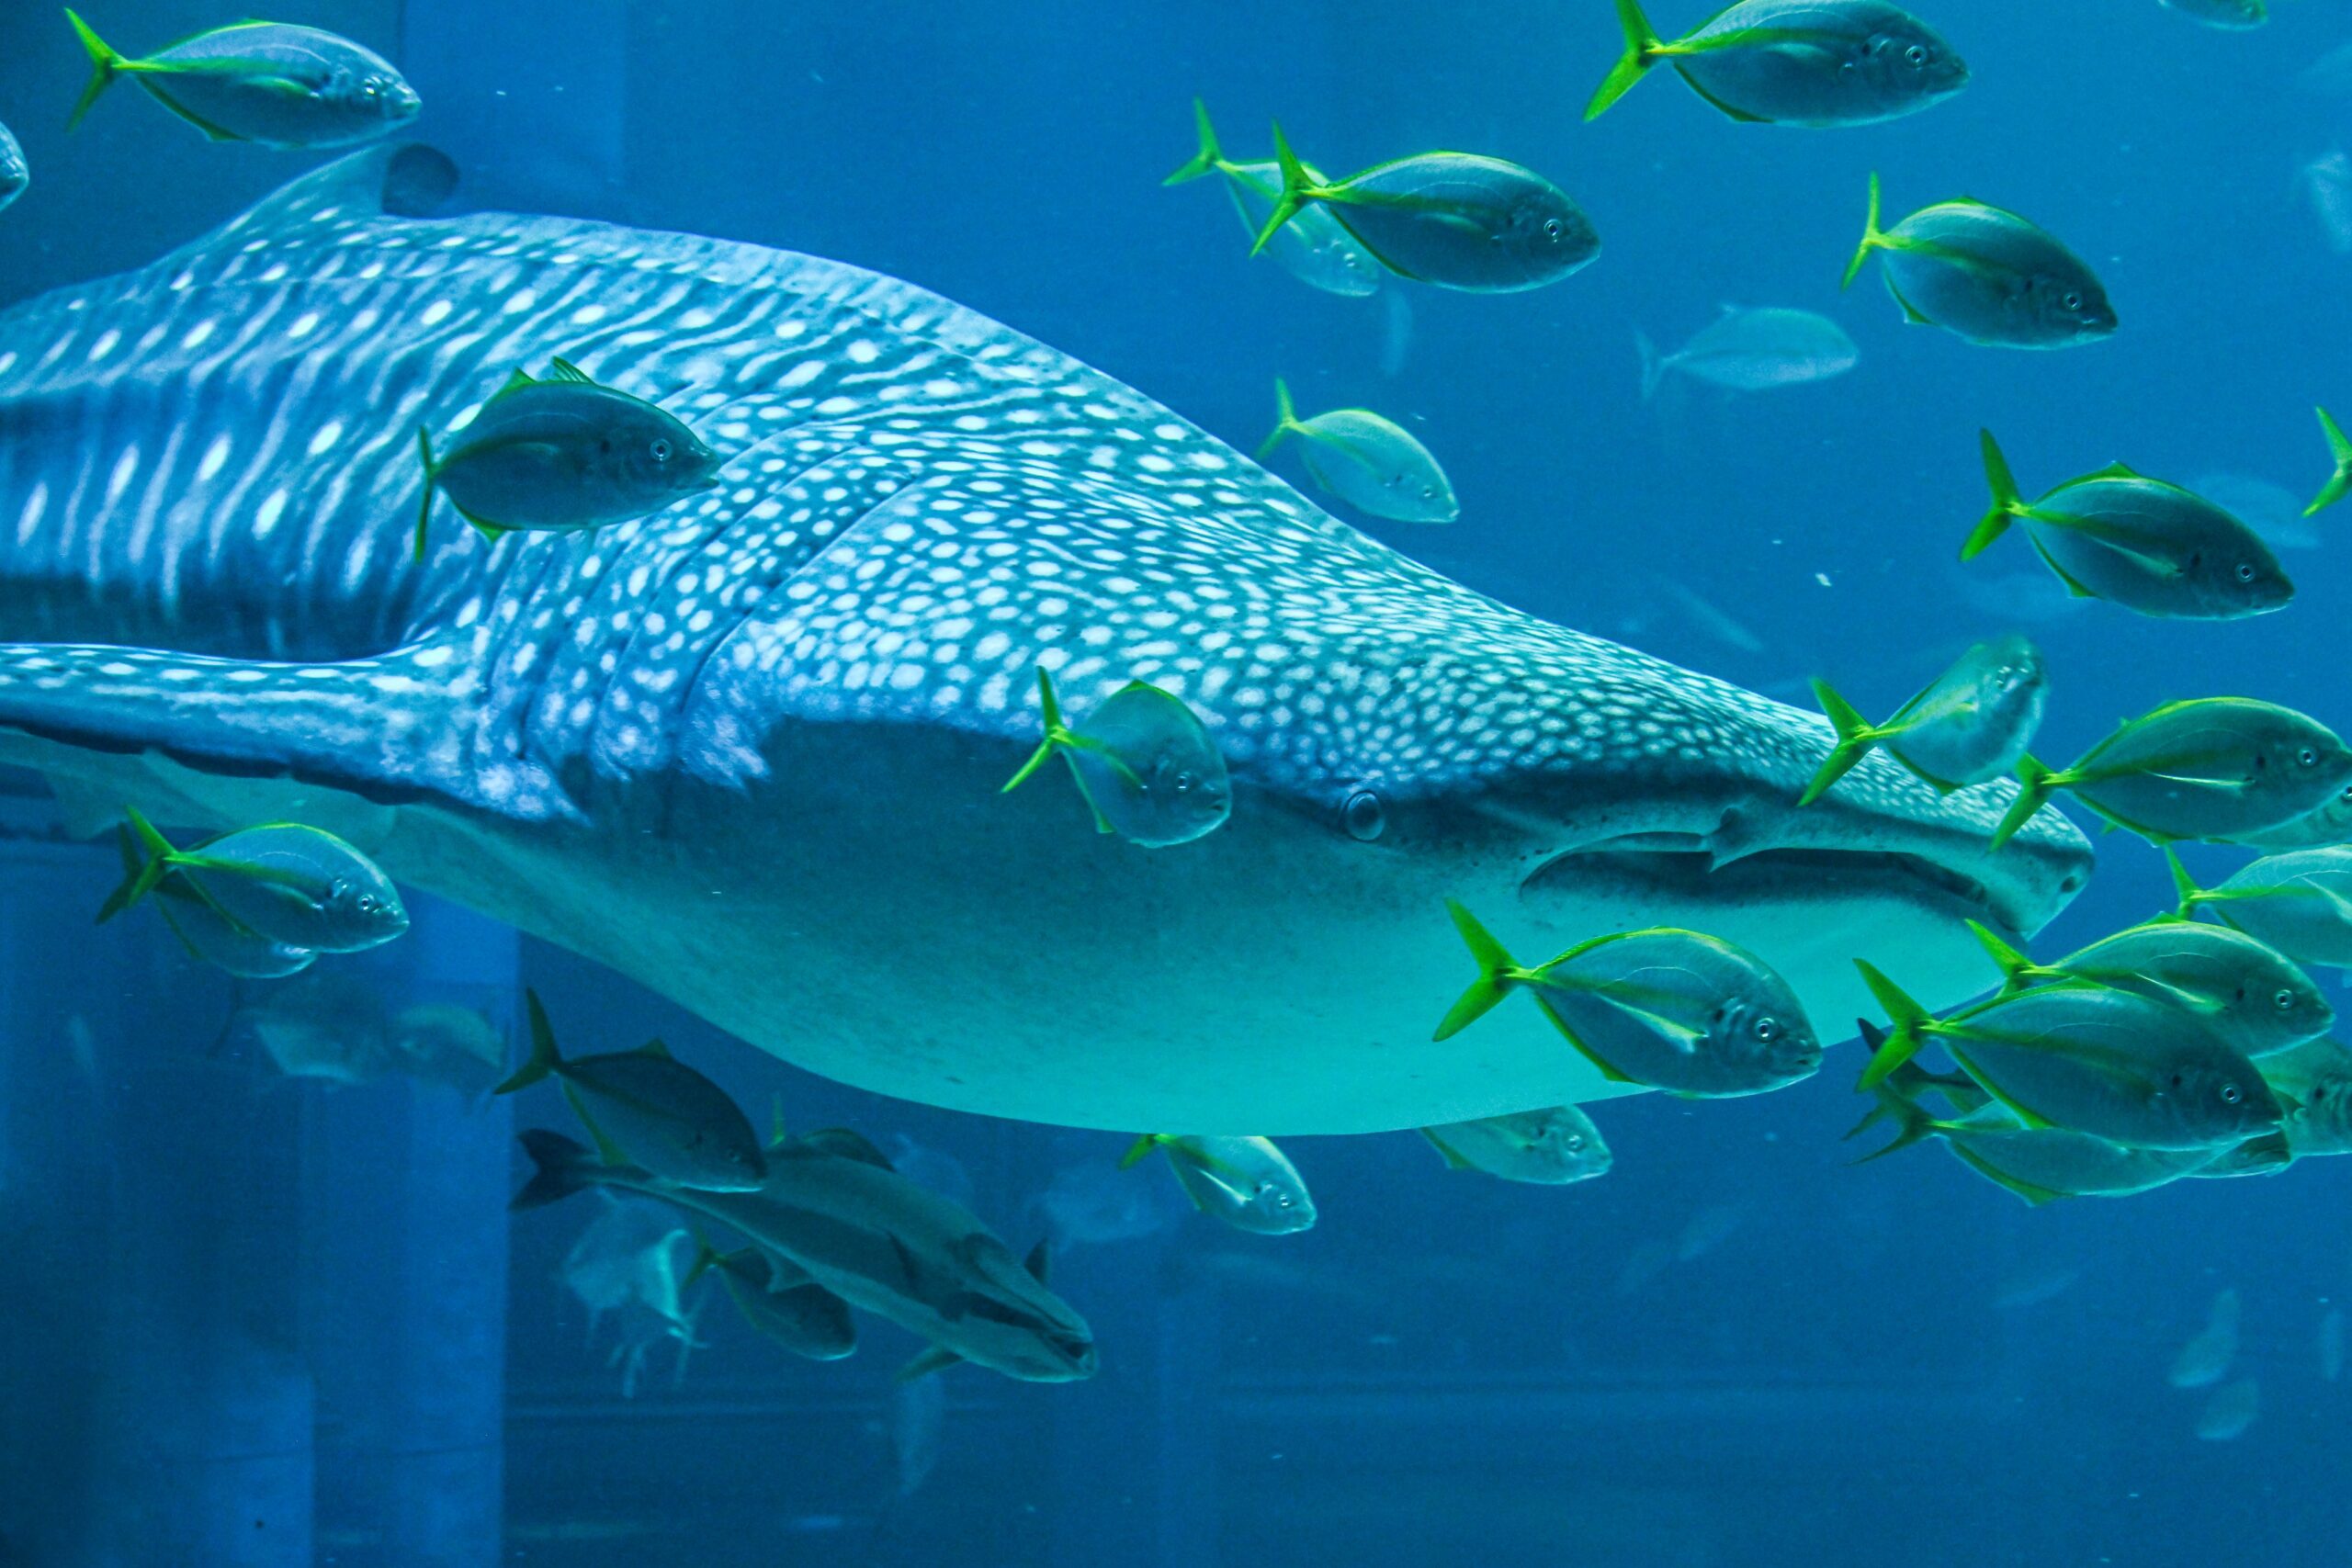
(389, 729)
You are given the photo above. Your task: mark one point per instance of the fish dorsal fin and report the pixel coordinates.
(565, 370)
(654, 1048)
(1040, 1263)
(507, 388)
(843, 1144)
(405, 179)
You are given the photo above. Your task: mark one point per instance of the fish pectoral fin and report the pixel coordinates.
(2187, 1000)
(934, 1360)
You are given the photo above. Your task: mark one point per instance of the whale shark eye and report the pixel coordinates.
(1363, 815)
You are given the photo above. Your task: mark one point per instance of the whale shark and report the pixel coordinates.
(748, 750)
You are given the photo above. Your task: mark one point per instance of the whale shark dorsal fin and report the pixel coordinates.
(405, 179)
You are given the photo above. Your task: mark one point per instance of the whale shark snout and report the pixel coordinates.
(749, 750)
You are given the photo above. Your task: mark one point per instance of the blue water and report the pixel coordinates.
(254, 1320)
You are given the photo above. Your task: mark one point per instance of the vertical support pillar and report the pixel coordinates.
(405, 1187)
(1134, 1452)
(201, 1418)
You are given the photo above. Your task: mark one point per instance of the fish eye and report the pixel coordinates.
(1363, 815)
(2073, 299)
(2308, 757)
(1767, 1029)
(2246, 571)
(1576, 1143)
(2284, 1001)
(1917, 54)
(660, 449)
(1553, 229)
(2231, 1094)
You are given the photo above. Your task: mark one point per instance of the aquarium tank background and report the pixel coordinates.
(265, 1303)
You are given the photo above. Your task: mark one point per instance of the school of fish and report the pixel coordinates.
(2192, 1044)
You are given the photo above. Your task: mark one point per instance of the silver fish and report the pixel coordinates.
(1753, 351)
(1985, 276)
(15, 175)
(262, 82)
(2231, 1409)
(1811, 62)
(1550, 1147)
(2207, 1359)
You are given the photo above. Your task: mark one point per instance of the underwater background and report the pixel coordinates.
(256, 1317)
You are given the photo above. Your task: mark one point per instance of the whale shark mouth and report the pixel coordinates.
(1681, 870)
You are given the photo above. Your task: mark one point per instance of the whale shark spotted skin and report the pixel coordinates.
(747, 750)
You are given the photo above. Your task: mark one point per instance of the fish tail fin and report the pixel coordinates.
(2036, 785)
(1855, 739)
(423, 506)
(2183, 886)
(1910, 1031)
(1494, 963)
(2007, 502)
(1653, 367)
(1210, 155)
(1054, 730)
(141, 876)
(1296, 185)
(104, 66)
(2016, 967)
(1871, 237)
(1140, 1150)
(1914, 1124)
(1642, 46)
(2339, 448)
(1285, 421)
(544, 1059)
(561, 1167)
